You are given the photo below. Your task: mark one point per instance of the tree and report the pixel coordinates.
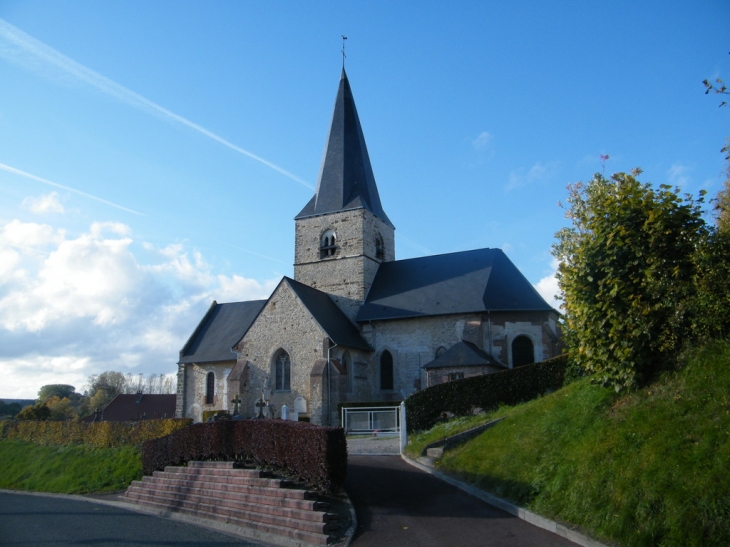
(56, 390)
(61, 409)
(38, 411)
(626, 275)
(9, 409)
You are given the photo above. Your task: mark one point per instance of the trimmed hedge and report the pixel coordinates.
(508, 387)
(315, 454)
(96, 434)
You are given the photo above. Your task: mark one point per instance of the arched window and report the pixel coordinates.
(282, 372)
(327, 244)
(386, 371)
(522, 352)
(209, 388)
(379, 247)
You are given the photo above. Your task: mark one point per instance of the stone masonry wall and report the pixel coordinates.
(283, 324)
(350, 271)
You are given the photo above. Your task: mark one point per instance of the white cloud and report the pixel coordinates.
(75, 306)
(548, 287)
(483, 141)
(47, 203)
(678, 175)
(537, 173)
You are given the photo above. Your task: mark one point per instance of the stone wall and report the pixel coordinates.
(349, 272)
(284, 323)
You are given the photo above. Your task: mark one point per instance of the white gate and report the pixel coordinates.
(368, 421)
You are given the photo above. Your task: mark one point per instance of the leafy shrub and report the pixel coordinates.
(97, 434)
(486, 392)
(315, 454)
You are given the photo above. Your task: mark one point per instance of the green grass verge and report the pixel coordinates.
(646, 469)
(67, 469)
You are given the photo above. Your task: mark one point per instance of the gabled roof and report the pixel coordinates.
(329, 316)
(219, 330)
(346, 179)
(463, 354)
(465, 282)
(130, 408)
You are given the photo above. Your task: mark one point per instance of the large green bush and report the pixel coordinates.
(628, 271)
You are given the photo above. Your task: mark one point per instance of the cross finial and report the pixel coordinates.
(343, 50)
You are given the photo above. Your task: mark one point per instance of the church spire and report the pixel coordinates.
(346, 179)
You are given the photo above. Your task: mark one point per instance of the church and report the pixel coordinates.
(355, 325)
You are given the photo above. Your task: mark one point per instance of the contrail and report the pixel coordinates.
(19, 44)
(79, 192)
(257, 254)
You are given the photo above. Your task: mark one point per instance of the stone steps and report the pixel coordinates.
(248, 498)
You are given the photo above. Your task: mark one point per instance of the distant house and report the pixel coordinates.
(135, 407)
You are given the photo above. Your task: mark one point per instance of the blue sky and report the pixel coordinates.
(153, 154)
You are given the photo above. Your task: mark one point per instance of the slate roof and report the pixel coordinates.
(130, 408)
(463, 354)
(346, 179)
(219, 330)
(465, 282)
(329, 316)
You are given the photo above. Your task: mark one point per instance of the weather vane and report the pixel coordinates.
(343, 50)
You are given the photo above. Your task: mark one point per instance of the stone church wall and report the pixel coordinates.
(350, 271)
(283, 324)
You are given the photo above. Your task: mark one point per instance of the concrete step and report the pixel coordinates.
(435, 453)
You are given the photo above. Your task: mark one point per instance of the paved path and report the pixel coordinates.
(398, 504)
(41, 521)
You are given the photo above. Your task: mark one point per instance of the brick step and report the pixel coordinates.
(219, 471)
(226, 479)
(242, 494)
(208, 509)
(227, 492)
(302, 510)
(300, 535)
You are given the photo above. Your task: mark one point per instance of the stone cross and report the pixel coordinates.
(260, 404)
(236, 402)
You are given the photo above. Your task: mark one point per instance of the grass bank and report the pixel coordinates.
(644, 469)
(70, 469)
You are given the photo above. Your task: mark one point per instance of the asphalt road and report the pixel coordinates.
(400, 505)
(41, 521)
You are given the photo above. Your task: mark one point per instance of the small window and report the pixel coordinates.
(379, 247)
(386, 371)
(456, 376)
(440, 351)
(327, 244)
(347, 365)
(282, 372)
(209, 388)
(522, 352)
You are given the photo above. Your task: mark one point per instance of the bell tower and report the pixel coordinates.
(343, 233)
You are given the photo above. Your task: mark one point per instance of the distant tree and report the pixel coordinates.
(38, 411)
(61, 409)
(10, 409)
(627, 271)
(56, 390)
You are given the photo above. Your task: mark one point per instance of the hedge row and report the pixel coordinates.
(97, 434)
(315, 454)
(487, 392)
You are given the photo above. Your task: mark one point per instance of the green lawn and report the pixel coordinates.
(648, 468)
(67, 469)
